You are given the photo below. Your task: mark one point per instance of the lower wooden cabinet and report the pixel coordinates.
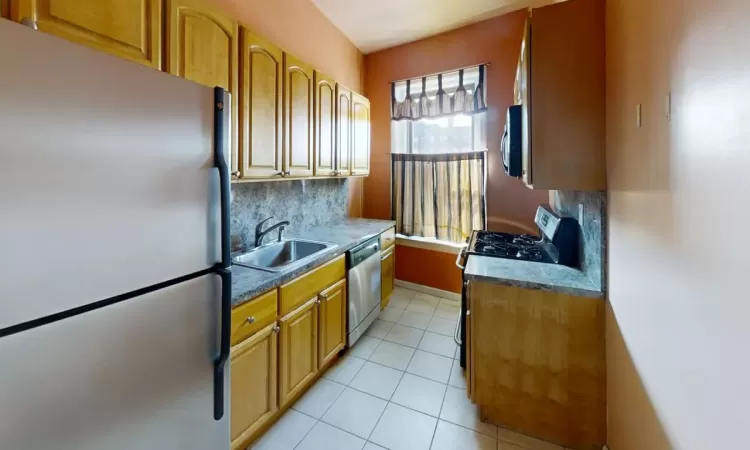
(332, 322)
(254, 399)
(388, 275)
(298, 354)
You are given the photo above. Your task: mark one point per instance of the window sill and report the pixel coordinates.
(428, 244)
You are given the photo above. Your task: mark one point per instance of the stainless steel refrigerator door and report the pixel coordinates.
(106, 178)
(136, 375)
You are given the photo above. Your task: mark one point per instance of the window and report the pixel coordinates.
(451, 134)
(438, 161)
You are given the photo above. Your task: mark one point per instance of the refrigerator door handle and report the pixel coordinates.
(223, 269)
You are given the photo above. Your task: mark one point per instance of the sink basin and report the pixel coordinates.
(279, 256)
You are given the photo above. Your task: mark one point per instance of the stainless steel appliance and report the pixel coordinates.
(363, 262)
(115, 282)
(512, 147)
(558, 245)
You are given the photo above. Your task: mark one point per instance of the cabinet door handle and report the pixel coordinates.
(250, 320)
(287, 173)
(236, 174)
(276, 329)
(280, 174)
(322, 296)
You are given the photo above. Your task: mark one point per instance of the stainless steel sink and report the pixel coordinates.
(279, 256)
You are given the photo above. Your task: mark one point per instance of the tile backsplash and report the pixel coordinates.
(304, 203)
(593, 235)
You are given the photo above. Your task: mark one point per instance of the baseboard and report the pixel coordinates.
(428, 290)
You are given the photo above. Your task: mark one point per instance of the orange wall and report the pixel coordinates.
(677, 325)
(428, 268)
(510, 204)
(298, 27)
(497, 41)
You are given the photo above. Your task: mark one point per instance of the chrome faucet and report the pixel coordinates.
(260, 233)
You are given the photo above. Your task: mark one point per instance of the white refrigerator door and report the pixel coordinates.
(135, 375)
(106, 179)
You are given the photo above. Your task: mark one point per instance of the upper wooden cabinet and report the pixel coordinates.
(332, 322)
(562, 89)
(262, 81)
(298, 117)
(324, 118)
(203, 46)
(129, 29)
(254, 377)
(343, 130)
(360, 135)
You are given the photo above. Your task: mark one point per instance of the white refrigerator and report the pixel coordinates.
(115, 282)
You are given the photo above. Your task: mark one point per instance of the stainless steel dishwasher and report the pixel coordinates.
(363, 262)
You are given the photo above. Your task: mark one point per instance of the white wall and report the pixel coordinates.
(678, 330)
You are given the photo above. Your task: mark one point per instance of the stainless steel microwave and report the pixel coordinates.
(511, 144)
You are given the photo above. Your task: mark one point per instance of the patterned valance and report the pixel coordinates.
(458, 92)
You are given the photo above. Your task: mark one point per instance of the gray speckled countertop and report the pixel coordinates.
(530, 275)
(248, 283)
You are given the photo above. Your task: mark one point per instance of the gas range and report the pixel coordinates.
(524, 247)
(558, 244)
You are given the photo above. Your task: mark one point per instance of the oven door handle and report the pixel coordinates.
(459, 259)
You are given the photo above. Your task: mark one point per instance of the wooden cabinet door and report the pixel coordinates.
(360, 135)
(203, 46)
(332, 322)
(5, 8)
(298, 117)
(298, 357)
(523, 94)
(254, 396)
(262, 66)
(343, 130)
(129, 29)
(388, 273)
(324, 119)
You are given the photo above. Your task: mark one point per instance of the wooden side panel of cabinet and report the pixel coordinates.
(360, 135)
(254, 376)
(130, 29)
(536, 363)
(298, 357)
(324, 119)
(343, 130)
(262, 69)
(203, 46)
(332, 322)
(298, 117)
(388, 275)
(5, 9)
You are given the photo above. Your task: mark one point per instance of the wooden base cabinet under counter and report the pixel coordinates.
(298, 354)
(535, 363)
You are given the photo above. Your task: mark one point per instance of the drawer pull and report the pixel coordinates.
(276, 329)
(251, 320)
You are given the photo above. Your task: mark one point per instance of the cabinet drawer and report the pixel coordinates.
(388, 238)
(309, 285)
(253, 315)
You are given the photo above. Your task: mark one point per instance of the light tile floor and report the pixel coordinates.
(400, 388)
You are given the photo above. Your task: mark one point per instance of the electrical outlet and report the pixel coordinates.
(580, 214)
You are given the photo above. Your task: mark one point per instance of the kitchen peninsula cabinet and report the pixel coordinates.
(535, 362)
(124, 28)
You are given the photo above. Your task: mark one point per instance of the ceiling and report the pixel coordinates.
(378, 24)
